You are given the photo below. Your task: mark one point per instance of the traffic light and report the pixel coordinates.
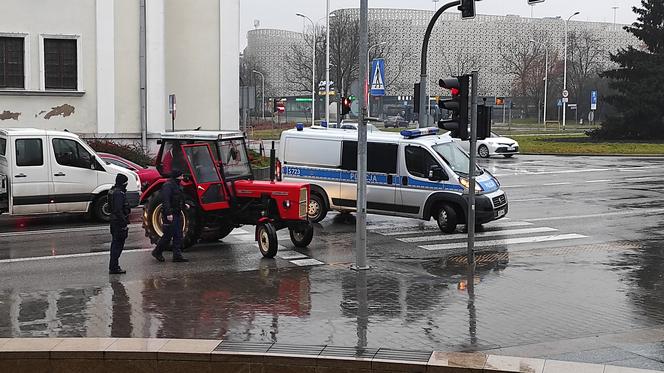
(484, 113)
(458, 105)
(416, 98)
(467, 9)
(345, 105)
(274, 105)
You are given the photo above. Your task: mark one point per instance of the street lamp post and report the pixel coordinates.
(262, 91)
(565, 71)
(327, 63)
(313, 69)
(369, 76)
(546, 75)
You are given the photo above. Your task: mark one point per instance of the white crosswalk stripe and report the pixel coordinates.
(450, 237)
(500, 233)
(429, 228)
(507, 241)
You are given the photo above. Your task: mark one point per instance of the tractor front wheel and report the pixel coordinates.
(266, 235)
(302, 234)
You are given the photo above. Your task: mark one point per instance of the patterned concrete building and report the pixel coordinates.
(456, 46)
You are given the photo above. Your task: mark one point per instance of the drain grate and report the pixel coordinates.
(349, 352)
(255, 347)
(287, 349)
(481, 259)
(405, 355)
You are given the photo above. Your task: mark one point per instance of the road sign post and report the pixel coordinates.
(471, 172)
(593, 100)
(171, 110)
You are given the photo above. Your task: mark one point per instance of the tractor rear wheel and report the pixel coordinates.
(302, 234)
(266, 235)
(153, 226)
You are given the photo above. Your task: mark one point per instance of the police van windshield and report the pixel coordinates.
(456, 158)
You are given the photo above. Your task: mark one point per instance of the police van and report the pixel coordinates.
(415, 174)
(51, 172)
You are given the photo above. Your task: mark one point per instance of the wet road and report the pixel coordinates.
(574, 273)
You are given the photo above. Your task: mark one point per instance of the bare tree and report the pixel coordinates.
(586, 60)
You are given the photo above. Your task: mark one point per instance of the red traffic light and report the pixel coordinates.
(454, 91)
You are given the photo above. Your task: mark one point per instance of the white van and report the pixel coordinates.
(46, 172)
(415, 174)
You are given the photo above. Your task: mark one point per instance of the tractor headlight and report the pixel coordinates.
(287, 204)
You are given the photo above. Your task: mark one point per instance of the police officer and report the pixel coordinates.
(117, 201)
(173, 198)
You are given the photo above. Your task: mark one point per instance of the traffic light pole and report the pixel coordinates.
(471, 171)
(422, 105)
(361, 218)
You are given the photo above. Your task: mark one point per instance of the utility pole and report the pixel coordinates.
(327, 63)
(615, 8)
(565, 72)
(361, 219)
(424, 100)
(471, 171)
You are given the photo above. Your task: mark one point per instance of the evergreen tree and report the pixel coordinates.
(638, 82)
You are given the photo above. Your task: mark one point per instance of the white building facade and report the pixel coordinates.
(105, 68)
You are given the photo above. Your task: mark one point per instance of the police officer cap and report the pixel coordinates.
(121, 179)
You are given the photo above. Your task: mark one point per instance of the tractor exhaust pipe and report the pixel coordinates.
(273, 158)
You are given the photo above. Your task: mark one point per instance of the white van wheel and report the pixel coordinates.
(316, 209)
(446, 219)
(101, 208)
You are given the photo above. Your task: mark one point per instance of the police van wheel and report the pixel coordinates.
(268, 243)
(316, 209)
(446, 219)
(101, 209)
(302, 234)
(483, 151)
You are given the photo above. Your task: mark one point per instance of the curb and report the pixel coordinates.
(119, 355)
(597, 155)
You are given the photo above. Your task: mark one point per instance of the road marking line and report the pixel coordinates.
(306, 262)
(515, 186)
(530, 199)
(508, 241)
(61, 230)
(598, 181)
(457, 236)
(616, 213)
(68, 256)
(502, 224)
(552, 184)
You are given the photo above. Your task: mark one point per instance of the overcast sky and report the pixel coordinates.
(281, 14)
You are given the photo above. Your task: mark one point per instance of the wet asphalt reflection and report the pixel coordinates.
(574, 273)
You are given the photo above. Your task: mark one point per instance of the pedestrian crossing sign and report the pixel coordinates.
(377, 77)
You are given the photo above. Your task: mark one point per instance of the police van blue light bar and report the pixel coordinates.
(410, 134)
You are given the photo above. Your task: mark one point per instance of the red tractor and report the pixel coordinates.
(221, 193)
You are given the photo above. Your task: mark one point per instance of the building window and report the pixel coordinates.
(11, 62)
(60, 64)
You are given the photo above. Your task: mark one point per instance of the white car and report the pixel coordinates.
(352, 125)
(494, 145)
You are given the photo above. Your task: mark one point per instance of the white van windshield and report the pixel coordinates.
(456, 158)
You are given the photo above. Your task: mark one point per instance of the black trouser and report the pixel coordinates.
(172, 231)
(119, 233)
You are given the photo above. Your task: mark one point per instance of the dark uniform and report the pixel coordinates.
(173, 198)
(117, 201)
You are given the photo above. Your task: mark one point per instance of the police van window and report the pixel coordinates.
(29, 152)
(418, 161)
(3, 146)
(71, 153)
(381, 158)
(349, 156)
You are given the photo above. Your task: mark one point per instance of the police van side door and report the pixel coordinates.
(415, 185)
(381, 176)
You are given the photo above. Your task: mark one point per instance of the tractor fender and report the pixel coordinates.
(262, 220)
(152, 189)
